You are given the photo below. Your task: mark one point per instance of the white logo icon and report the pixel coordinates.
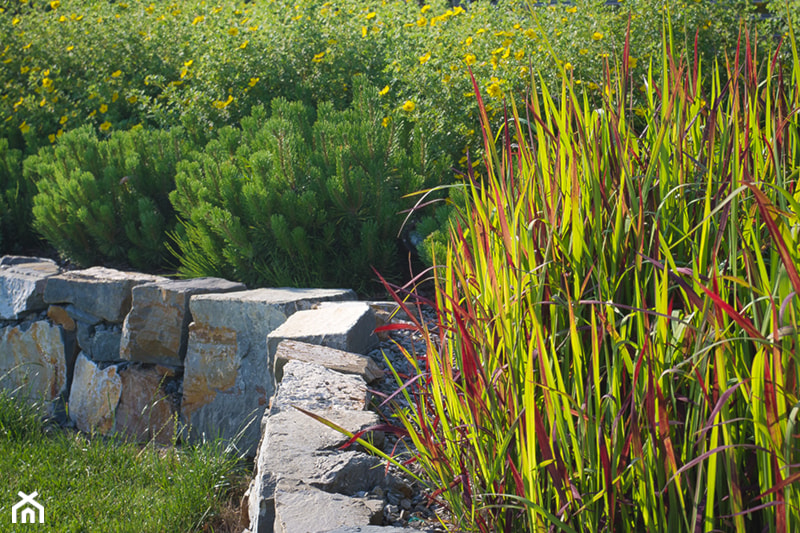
(26, 505)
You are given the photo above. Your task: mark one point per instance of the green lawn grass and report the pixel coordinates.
(90, 483)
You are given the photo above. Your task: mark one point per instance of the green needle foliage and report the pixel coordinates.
(298, 197)
(618, 309)
(106, 200)
(16, 197)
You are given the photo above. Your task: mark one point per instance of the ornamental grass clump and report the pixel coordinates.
(618, 309)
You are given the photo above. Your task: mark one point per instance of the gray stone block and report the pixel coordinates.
(99, 291)
(105, 343)
(22, 285)
(94, 396)
(331, 358)
(300, 508)
(33, 360)
(373, 529)
(348, 326)
(228, 377)
(157, 328)
(295, 446)
(314, 387)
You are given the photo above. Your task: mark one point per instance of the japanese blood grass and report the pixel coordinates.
(617, 342)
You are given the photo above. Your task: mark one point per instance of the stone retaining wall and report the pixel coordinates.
(153, 358)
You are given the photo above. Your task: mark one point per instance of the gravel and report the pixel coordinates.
(407, 501)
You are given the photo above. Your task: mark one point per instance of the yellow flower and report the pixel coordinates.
(469, 59)
(422, 21)
(530, 34)
(596, 36)
(371, 15)
(93, 113)
(567, 66)
(70, 48)
(494, 90)
(233, 31)
(115, 96)
(572, 9)
(105, 126)
(243, 45)
(15, 21)
(519, 55)
(116, 74)
(55, 4)
(583, 51)
(385, 122)
(62, 18)
(458, 10)
(363, 31)
(424, 59)
(188, 64)
(468, 42)
(222, 105)
(47, 82)
(24, 128)
(318, 57)
(63, 120)
(384, 91)
(24, 70)
(198, 19)
(184, 72)
(632, 62)
(103, 108)
(409, 106)
(132, 99)
(51, 138)
(425, 8)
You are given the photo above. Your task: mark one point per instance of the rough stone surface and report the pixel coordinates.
(94, 396)
(372, 529)
(295, 446)
(33, 360)
(22, 285)
(58, 315)
(104, 344)
(103, 292)
(314, 387)
(157, 328)
(331, 358)
(228, 370)
(347, 326)
(300, 508)
(146, 411)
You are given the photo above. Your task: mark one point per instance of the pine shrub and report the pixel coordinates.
(106, 200)
(302, 197)
(16, 194)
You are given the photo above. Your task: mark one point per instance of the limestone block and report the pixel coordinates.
(157, 328)
(300, 508)
(146, 411)
(33, 360)
(228, 370)
(347, 326)
(103, 292)
(338, 360)
(94, 396)
(295, 446)
(314, 387)
(22, 284)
